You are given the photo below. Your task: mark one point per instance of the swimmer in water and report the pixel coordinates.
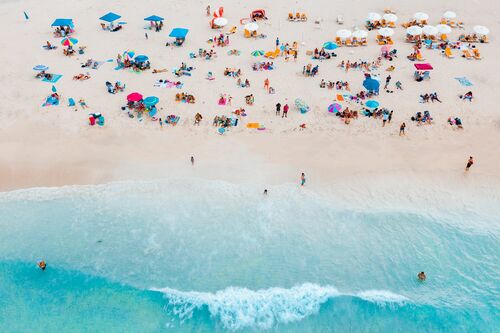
(42, 265)
(265, 191)
(421, 276)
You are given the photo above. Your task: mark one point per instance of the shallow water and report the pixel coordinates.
(199, 256)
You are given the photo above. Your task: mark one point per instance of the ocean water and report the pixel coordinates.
(208, 256)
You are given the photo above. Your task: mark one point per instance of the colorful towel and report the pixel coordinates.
(55, 78)
(50, 101)
(464, 81)
(71, 102)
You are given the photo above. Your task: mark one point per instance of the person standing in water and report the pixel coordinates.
(42, 265)
(265, 191)
(302, 179)
(469, 163)
(192, 160)
(421, 276)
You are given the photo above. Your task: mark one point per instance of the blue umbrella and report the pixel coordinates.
(330, 46)
(154, 18)
(153, 112)
(141, 58)
(372, 104)
(110, 17)
(151, 100)
(54, 89)
(40, 68)
(179, 33)
(371, 84)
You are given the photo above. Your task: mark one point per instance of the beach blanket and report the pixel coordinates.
(97, 64)
(71, 102)
(167, 84)
(54, 79)
(464, 81)
(118, 67)
(50, 101)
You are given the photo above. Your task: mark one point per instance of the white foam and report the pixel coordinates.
(238, 308)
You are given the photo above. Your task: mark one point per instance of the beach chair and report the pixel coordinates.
(448, 53)
(444, 37)
(348, 42)
(338, 41)
(389, 41)
(392, 25)
(467, 55)
(420, 57)
(355, 42)
(290, 17)
(476, 54)
(364, 41)
(426, 75)
(247, 34)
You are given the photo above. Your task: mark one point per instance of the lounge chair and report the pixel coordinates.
(338, 41)
(448, 53)
(467, 54)
(444, 37)
(348, 42)
(389, 41)
(247, 34)
(303, 17)
(476, 54)
(419, 57)
(364, 41)
(290, 17)
(355, 42)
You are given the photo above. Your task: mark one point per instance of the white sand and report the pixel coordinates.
(54, 146)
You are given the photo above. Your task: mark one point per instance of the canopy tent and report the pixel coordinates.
(141, 58)
(110, 17)
(423, 67)
(372, 17)
(154, 18)
(62, 22)
(179, 33)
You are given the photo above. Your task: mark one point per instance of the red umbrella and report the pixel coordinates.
(134, 97)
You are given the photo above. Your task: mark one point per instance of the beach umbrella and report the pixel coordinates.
(344, 33)
(386, 32)
(330, 46)
(421, 16)
(251, 26)
(54, 89)
(258, 53)
(390, 17)
(481, 30)
(69, 41)
(371, 84)
(220, 21)
(134, 97)
(151, 100)
(153, 112)
(414, 30)
(385, 48)
(360, 34)
(430, 30)
(178, 33)
(129, 54)
(449, 15)
(40, 68)
(154, 18)
(443, 28)
(141, 58)
(371, 17)
(335, 107)
(371, 104)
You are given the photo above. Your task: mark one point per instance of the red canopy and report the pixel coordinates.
(423, 67)
(134, 97)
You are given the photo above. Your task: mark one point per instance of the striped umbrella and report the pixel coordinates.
(258, 53)
(69, 41)
(40, 68)
(334, 108)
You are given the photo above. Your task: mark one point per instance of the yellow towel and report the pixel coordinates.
(253, 125)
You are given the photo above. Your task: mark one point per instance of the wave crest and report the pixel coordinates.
(238, 308)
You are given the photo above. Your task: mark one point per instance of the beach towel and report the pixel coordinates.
(55, 78)
(50, 101)
(118, 67)
(464, 81)
(71, 102)
(97, 64)
(340, 98)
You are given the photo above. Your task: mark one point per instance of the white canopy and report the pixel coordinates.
(360, 34)
(414, 30)
(430, 30)
(373, 17)
(481, 30)
(443, 28)
(390, 17)
(421, 16)
(385, 32)
(220, 21)
(449, 15)
(251, 26)
(343, 33)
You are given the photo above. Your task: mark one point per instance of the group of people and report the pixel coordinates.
(224, 122)
(309, 70)
(184, 97)
(322, 54)
(220, 40)
(425, 98)
(204, 54)
(339, 85)
(63, 32)
(360, 65)
(243, 84)
(232, 72)
(263, 66)
(156, 26)
(114, 88)
(422, 118)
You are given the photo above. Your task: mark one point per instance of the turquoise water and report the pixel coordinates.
(200, 256)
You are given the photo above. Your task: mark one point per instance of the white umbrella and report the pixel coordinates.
(449, 15)
(390, 17)
(360, 34)
(481, 30)
(430, 30)
(343, 33)
(251, 26)
(385, 32)
(220, 21)
(443, 28)
(414, 30)
(373, 17)
(421, 16)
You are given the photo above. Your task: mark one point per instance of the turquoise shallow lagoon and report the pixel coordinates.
(208, 256)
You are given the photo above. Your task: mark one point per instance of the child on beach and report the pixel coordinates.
(302, 179)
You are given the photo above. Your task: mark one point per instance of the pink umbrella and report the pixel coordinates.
(385, 48)
(134, 97)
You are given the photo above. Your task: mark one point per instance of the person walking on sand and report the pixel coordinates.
(387, 81)
(402, 129)
(390, 117)
(285, 111)
(192, 160)
(469, 163)
(277, 42)
(278, 109)
(208, 10)
(266, 84)
(146, 35)
(302, 179)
